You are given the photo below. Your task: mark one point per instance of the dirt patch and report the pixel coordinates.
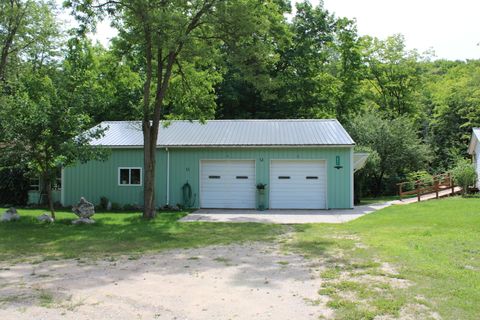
(250, 281)
(360, 286)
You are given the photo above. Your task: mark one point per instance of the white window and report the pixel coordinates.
(129, 176)
(57, 183)
(35, 184)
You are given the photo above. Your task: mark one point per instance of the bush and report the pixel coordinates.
(395, 149)
(412, 177)
(14, 186)
(103, 203)
(116, 206)
(472, 196)
(130, 207)
(464, 174)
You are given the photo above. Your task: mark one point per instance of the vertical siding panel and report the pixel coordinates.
(95, 179)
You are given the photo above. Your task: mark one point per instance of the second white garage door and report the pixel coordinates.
(227, 184)
(298, 184)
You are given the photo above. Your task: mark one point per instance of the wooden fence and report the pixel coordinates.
(433, 184)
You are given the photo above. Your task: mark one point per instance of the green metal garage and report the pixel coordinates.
(305, 164)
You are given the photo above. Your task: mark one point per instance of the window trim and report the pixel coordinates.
(129, 176)
(34, 187)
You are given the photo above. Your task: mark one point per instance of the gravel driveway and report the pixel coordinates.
(249, 281)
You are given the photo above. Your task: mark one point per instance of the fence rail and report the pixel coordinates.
(433, 184)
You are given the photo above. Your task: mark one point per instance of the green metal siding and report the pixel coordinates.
(184, 166)
(34, 196)
(95, 179)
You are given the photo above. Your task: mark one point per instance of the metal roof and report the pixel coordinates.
(327, 132)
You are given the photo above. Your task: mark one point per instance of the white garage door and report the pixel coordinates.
(298, 184)
(227, 184)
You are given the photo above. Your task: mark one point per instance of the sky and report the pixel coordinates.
(450, 28)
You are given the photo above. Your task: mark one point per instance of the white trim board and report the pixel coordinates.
(130, 185)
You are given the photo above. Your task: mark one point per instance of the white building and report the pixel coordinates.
(474, 150)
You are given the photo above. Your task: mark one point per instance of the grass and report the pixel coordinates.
(380, 199)
(117, 234)
(223, 260)
(434, 244)
(45, 298)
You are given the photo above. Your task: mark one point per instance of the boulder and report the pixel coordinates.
(83, 221)
(10, 215)
(84, 209)
(45, 217)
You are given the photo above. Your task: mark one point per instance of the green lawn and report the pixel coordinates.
(371, 200)
(116, 234)
(435, 244)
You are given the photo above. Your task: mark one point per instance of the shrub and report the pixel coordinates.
(412, 177)
(395, 149)
(116, 206)
(464, 174)
(103, 203)
(130, 207)
(14, 187)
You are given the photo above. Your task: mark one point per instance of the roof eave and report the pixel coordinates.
(231, 146)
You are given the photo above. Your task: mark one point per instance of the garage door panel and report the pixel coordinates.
(298, 184)
(227, 184)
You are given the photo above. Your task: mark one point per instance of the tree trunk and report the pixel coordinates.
(149, 152)
(13, 24)
(151, 120)
(378, 185)
(148, 140)
(48, 185)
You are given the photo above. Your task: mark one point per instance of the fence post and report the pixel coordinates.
(436, 183)
(418, 192)
(400, 191)
(452, 184)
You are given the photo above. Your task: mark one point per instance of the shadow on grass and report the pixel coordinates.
(130, 236)
(314, 240)
(118, 234)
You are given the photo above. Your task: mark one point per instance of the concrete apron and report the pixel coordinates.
(283, 216)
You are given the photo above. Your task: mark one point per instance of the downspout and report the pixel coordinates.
(352, 179)
(168, 176)
(62, 191)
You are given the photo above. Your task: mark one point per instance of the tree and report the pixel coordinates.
(174, 45)
(394, 75)
(311, 70)
(44, 132)
(308, 87)
(317, 74)
(349, 70)
(453, 106)
(464, 174)
(397, 148)
(26, 30)
(28, 34)
(98, 81)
